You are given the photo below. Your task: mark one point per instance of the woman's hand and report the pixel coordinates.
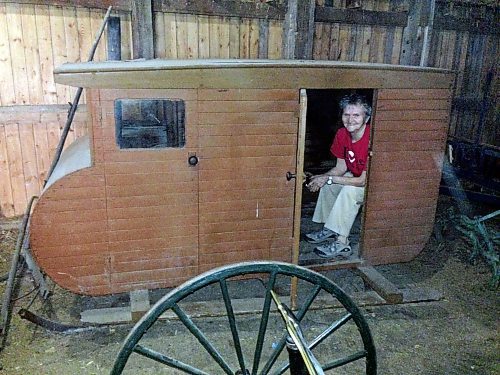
(317, 182)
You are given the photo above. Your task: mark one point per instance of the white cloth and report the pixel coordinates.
(337, 207)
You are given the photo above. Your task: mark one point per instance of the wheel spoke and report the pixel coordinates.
(319, 339)
(232, 325)
(281, 344)
(158, 357)
(327, 332)
(263, 323)
(202, 339)
(344, 361)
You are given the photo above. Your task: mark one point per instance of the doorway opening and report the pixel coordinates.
(323, 120)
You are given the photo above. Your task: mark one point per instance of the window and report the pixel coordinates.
(150, 123)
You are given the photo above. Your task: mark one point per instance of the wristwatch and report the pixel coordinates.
(330, 180)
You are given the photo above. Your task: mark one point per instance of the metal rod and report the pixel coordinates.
(281, 344)
(6, 306)
(74, 104)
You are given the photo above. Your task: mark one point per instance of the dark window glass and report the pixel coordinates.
(150, 123)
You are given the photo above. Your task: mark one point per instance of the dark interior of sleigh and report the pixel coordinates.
(323, 121)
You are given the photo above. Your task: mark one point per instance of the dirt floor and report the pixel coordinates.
(456, 334)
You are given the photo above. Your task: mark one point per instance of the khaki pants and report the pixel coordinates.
(337, 207)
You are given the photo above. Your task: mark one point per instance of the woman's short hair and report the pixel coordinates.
(355, 99)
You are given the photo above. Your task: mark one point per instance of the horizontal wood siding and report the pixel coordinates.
(409, 136)
(28, 138)
(69, 236)
(152, 198)
(247, 141)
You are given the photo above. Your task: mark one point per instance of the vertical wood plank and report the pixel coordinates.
(254, 39)
(28, 154)
(170, 36)
(16, 167)
(58, 48)
(192, 36)
(182, 35)
(71, 32)
(224, 37)
(234, 38)
(142, 29)
(275, 40)
(7, 91)
(159, 35)
(325, 44)
(203, 37)
(31, 54)
(334, 52)
(6, 199)
(344, 42)
(318, 36)
(263, 38)
(214, 37)
(44, 40)
(244, 38)
(96, 18)
(396, 50)
(125, 24)
(84, 32)
(15, 33)
(41, 149)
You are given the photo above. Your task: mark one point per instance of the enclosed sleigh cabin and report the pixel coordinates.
(190, 165)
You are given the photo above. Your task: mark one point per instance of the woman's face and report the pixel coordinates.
(354, 117)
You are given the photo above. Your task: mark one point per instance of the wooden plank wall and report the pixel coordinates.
(474, 54)
(363, 43)
(36, 38)
(184, 36)
(28, 138)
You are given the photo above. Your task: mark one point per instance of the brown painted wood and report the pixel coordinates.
(165, 221)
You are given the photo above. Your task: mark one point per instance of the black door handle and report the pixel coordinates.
(290, 175)
(193, 160)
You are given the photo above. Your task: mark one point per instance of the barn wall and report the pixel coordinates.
(28, 139)
(35, 37)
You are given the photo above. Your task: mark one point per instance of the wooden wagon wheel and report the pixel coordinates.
(220, 276)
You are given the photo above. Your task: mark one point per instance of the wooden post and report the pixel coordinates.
(412, 35)
(298, 30)
(114, 39)
(424, 59)
(142, 29)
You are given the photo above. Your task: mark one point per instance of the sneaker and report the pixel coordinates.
(320, 236)
(334, 249)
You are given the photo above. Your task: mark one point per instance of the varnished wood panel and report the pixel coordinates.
(405, 169)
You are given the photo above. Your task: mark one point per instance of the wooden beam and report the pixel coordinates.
(412, 40)
(381, 285)
(478, 26)
(360, 17)
(114, 39)
(298, 30)
(289, 30)
(221, 8)
(142, 29)
(305, 29)
(98, 4)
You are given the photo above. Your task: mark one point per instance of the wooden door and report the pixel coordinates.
(247, 143)
(152, 190)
